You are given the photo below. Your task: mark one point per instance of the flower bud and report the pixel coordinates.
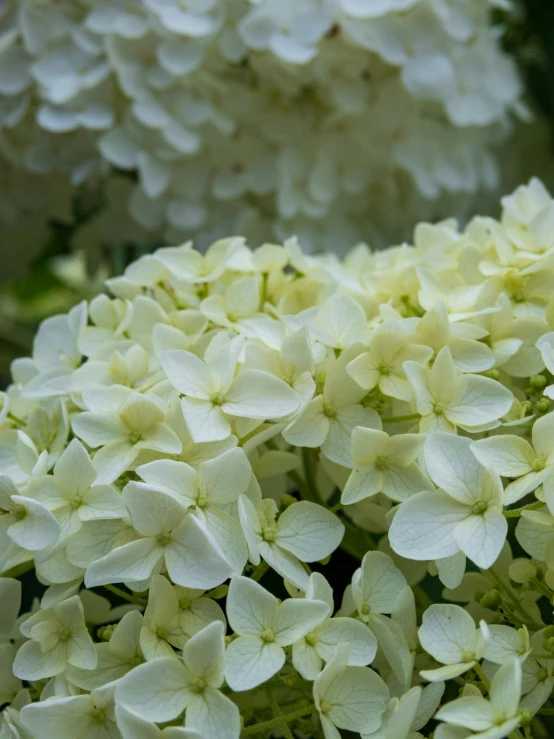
(491, 599)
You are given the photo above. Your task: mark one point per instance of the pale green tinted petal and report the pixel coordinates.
(471, 712)
(257, 394)
(250, 607)
(191, 558)
(335, 631)
(358, 699)
(249, 662)
(309, 531)
(481, 538)
(212, 714)
(132, 562)
(157, 690)
(510, 456)
(447, 631)
(295, 618)
(423, 526)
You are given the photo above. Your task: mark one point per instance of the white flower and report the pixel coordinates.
(504, 644)
(445, 398)
(132, 726)
(289, 30)
(214, 395)
(328, 420)
(169, 537)
(382, 365)
(122, 422)
(384, 464)
(82, 715)
(350, 698)
(377, 589)
(211, 489)
(449, 635)
(512, 456)
(304, 532)
(264, 627)
(495, 717)
(57, 638)
(70, 492)
(465, 514)
(320, 645)
(162, 689)
(115, 658)
(27, 523)
(161, 626)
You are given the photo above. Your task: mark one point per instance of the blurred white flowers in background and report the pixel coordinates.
(322, 118)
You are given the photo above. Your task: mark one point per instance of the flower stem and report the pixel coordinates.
(276, 711)
(126, 596)
(309, 475)
(482, 676)
(400, 419)
(515, 602)
(259, 572)
(275, 722)
(516, 512)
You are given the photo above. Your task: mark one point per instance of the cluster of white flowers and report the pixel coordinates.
(323, 118)
(191, 445)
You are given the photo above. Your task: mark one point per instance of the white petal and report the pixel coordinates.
(447, 632)
(156, 690)
(192, 560)
(251, 661)
(424, 524)
(309, 531)
(257, 394)
(250, 608)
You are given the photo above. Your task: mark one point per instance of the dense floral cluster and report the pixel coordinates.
(188, 446)
(316, 117)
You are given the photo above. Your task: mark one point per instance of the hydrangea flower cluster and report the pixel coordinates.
(181, 459)
(314, 117)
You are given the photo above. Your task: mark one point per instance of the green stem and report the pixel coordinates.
(515, 602)
(516, 512)
(259, 572)
(126, 596)
(309, 475)
(400, 419)
(275, 722)
(541, 588)
(482, 676)
(276, 711)
(16, 419)
(19, 569)
(546, 711)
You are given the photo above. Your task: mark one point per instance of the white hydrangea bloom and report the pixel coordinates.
(495, 717)
(264, 627)
(383, 412)
(161, 689)
(465, 514)
(449, 635)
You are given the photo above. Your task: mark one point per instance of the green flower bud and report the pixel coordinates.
(491, 599)
(105, 632)
(527, 408)
(537, 382)
(543, 405)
